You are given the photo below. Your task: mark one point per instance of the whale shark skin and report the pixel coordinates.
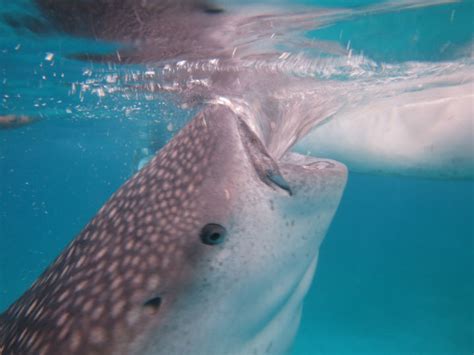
(141, 278)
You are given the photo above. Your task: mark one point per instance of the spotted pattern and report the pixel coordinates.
(92, 296)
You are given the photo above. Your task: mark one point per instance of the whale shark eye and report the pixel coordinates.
(212, 234)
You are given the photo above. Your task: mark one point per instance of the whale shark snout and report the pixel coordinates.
(209, 249)
(246, 295)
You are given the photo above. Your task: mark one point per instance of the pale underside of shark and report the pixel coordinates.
(212, 246)
(424, 132)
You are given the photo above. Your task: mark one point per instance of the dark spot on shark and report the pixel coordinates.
(213, 10)
(153, 304)
(212, 234)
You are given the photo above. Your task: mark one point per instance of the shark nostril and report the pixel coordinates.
(213, 10)
(153, 304)
(212, 234)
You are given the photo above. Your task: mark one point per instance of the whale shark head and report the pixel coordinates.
(209, 249)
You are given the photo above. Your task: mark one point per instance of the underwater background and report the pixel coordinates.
(396, 270)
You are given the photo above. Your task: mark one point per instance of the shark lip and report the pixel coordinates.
(330, 169)
(320, 165)
(313, 176)
(311, 163)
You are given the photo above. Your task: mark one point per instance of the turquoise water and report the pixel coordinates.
(396, 273)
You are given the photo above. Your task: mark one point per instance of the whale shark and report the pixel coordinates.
(209, 249)
(420, 127)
